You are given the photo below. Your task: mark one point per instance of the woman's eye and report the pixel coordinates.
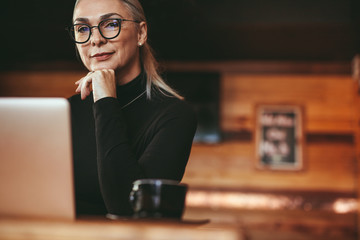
(111, 24)
(82, 29)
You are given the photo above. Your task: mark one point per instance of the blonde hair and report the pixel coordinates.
(148, 61)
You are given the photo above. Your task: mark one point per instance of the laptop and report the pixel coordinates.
(36, 169)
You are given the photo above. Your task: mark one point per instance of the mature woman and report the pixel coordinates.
(127, 123)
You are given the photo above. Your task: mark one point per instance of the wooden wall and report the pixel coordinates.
(329, 104)
(330, 121)
(328, 100)
(39, 83)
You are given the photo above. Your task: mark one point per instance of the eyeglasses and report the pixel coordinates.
(108, 28)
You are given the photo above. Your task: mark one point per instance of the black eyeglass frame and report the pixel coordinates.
(120, 20)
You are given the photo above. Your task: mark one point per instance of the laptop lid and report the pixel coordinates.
(36, 171)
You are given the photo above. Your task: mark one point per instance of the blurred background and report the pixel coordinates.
(199, 30)
(229, 58)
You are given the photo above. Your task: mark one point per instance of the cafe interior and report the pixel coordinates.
(276, 89)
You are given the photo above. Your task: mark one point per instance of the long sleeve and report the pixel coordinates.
(158, 147)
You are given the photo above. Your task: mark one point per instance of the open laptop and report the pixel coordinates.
(36, 171)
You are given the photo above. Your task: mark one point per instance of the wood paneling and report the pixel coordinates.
(328, 166)
(328, 100)
(39, 83)
(329, 104)
(261, 67)
(330, 107)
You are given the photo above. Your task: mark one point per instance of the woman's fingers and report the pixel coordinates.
(85, 87)
(104, 84)
(78, 87)
(101, 82)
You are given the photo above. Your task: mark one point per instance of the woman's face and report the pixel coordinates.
(118, 53)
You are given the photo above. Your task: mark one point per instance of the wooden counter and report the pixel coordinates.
(16, 229)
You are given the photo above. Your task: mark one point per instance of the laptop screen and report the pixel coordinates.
(36, 175)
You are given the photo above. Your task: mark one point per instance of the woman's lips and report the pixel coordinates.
(102, 56)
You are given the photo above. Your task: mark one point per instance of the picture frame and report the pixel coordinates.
(279, 137)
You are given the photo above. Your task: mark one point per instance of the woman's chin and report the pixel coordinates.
(101, 67)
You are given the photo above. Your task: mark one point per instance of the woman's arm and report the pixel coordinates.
(165, 156)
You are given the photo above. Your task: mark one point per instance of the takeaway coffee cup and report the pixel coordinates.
(158, 198)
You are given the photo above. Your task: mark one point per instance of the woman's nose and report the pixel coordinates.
(96, 38)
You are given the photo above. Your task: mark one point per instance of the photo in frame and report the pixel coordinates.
(279, 137)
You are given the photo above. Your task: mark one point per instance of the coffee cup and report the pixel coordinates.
(158, 198)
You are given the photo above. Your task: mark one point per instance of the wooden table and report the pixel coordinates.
(16, 229)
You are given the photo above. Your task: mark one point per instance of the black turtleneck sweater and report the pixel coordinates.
(115, 143)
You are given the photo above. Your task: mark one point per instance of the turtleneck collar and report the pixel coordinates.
(129, 91)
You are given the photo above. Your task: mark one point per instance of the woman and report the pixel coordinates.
(127, 123)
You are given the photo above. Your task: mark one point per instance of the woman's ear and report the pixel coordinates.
(142, 35)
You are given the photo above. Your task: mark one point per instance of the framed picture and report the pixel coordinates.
(279, 137)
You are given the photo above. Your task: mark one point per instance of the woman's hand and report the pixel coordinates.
(101, 82)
